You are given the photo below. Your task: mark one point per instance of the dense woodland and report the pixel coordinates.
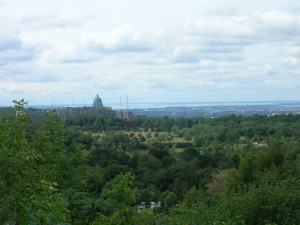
(94, 170)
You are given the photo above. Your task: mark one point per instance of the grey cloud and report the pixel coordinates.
(229, 42)
(53, 21)
(96, 86)
(219, 53)
(124, 48)
(78, 60)
(224, 57)
(224, 38)
(37, 78)
(7, 43)
(3, 3)
(277, 34)
(294, 6)
(221, 49)
(159, 85)
(15, 56)
(294, 50)
(110, 87)
(245, 30)
(270, 72)
(45, 78)
(76, 77)
(27, 72)
(213, 71)
(187, 57)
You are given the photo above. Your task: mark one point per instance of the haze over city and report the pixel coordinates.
(154, 51)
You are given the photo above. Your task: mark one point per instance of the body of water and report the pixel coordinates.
(170, 104)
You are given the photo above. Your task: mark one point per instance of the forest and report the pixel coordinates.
(97, 170)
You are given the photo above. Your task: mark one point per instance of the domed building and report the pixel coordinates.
(96, 109)
(97, 102)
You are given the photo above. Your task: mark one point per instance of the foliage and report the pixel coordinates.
(98, 170)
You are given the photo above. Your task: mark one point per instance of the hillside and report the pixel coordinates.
(227, 170)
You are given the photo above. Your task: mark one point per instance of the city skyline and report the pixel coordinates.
(170, 51)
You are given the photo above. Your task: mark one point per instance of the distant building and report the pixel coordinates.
(97, 102)
(124, 115)
(96, 109)
(65, 112)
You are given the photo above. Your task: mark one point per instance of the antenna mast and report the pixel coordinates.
(127, 102)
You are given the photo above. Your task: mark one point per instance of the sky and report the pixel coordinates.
(61, 51)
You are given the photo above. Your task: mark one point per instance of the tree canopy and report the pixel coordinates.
(101, 170)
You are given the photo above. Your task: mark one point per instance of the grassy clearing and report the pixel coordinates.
(147, 135)
(175, 151)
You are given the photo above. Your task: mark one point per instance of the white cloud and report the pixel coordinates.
(292, 61)
(248, 28)
(126, 38)
(226, 26)
(293, 51)
(269, 69)
(292, 58)
(63, 54)
(279, 21)
(172, 48)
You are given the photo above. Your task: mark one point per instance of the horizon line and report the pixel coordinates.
(157, 103)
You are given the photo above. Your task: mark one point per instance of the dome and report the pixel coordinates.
(97, 102)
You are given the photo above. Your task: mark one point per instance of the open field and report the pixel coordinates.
(164, 136)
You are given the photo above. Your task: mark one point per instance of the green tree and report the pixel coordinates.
(29, 173)
(122, 192)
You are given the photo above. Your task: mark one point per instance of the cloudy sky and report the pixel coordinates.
(152, 50)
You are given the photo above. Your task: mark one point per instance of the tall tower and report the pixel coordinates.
(127, 102)
(120, 103)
